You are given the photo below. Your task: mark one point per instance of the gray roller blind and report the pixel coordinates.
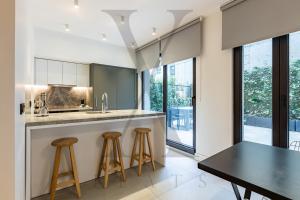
(182, 44)
(247, 21)
(148, 56)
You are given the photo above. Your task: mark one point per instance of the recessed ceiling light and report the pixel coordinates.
(76, 3)
(67, 27)
(104, 37)
(122, 20)
(153, 31)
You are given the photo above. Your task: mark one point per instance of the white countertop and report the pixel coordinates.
(74, 117)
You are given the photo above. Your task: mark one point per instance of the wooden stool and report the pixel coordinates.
(59, 144)
(115, 165)
(142, 156)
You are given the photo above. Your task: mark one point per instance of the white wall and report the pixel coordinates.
(214, 91)
(23, 76)
(64, 46)
(7, 85)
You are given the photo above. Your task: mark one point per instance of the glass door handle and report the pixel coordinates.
(283, 100)
(193, 100)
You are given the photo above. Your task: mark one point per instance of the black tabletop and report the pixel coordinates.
(271, 171)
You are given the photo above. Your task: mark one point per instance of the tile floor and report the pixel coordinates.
(179, 179)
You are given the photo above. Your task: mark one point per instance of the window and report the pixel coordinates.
(180, 108)
(172, 70)
(153, 89)
(261, 91)
(294, 91)
(171, 89)
(257, 92)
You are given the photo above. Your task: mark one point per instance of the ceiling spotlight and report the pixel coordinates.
(76, 3)
(67, 27)
(153, 31)
(104, 37)
(122, 20)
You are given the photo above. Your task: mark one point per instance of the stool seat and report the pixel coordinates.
(111, 135)
(64, 142)
(140, 130)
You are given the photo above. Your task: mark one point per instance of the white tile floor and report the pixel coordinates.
(180, 179)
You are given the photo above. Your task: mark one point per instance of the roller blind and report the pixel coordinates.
(247, 21)
(182, 44)
(179, 44)
(148, 56)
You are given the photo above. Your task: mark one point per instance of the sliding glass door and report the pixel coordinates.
(180, 106)
(294, 91)
(171, 89)
(261, 97)
(257, 92)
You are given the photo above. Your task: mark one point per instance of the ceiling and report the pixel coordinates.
(90, 22)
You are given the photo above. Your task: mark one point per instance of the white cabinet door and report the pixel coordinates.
(41, 72)
(55, 72)
(69, 73)
(83, 75)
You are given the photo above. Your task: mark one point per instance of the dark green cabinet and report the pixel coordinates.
(119, 83)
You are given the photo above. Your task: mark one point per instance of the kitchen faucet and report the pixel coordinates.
(104, 103)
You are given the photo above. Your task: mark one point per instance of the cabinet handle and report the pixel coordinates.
(96, 102)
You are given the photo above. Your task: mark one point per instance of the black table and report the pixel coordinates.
(270, 171)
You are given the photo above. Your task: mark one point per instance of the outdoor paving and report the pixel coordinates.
(264, 135)
(181, 136)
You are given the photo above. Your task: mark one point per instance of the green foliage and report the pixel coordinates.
(156, 95)
(174, 100)
(258, 91)
(294, 90)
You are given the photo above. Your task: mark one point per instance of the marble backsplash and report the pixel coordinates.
(61, 97)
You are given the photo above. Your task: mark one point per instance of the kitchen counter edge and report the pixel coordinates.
(91, 119)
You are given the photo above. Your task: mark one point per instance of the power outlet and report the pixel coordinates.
(22, 108)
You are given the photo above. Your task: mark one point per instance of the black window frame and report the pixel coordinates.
(182, 147)
(280, 92)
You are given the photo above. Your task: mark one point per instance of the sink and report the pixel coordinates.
(97, 112)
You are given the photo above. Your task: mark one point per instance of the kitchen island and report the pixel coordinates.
(87, 127)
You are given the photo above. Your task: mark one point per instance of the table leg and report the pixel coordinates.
(236, 191)
(247, 194)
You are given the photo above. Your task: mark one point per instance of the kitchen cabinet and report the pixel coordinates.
(119, 83)
(69, 74)
(52, 72)
(41, 74)
(83, 75)
(55, 72)
(102, 80)
(126, 88)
